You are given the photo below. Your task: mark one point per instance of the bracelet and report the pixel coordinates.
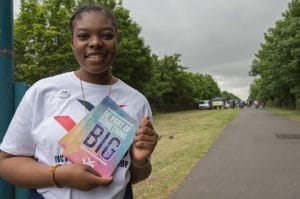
(52, 175)
(142, 166)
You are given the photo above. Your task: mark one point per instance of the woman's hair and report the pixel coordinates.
(92, 8)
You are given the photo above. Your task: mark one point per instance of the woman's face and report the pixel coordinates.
(94, 42)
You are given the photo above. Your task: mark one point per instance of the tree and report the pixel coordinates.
(229, 96)
(172, 84)
(134, 62)
(42, 43)
(278, 61)
(211, 88)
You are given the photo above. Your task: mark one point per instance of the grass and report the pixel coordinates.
(186, 137)
(291, 114)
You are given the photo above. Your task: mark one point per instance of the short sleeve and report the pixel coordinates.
(147, 110)
(18, 137)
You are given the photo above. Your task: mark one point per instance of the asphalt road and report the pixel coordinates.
(257, 156)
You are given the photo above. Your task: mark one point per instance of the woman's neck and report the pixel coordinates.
(105, 78)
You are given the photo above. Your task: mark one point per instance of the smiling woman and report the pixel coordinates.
(54, 105)
(94, 41)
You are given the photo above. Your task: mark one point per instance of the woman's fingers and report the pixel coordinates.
(80, 177)
(95, 179)
(146, 123)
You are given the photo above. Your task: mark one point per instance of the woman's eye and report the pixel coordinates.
(82, 36)
(107, 36)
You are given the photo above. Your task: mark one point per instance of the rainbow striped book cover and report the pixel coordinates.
(101, 138)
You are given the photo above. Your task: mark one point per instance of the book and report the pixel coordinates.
(101, 138)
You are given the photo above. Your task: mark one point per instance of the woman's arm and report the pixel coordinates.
(140, 171)
(26, 172)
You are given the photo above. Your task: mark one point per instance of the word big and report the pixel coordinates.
(104, 144)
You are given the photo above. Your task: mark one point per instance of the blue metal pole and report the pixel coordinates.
(6, 80)
(20, 89)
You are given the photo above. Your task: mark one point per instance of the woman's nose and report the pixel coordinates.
(95, 42)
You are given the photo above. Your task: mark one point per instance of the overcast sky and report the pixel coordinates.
(217, 37)
(214, 37)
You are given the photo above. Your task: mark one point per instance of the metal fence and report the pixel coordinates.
(166, 108)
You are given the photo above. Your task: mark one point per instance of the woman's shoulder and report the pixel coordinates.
(48, 84)
(53, 80)
(129, 90)
(135, 102)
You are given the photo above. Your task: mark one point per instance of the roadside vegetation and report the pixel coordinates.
(291, 114)
(276, 64)
(185, 138)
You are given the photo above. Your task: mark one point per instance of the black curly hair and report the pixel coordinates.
(94, 8)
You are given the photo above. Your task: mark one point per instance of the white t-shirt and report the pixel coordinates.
(33, 130)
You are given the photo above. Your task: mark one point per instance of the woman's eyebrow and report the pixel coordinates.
(102, 29)
(81, 29)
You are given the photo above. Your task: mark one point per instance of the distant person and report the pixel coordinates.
(256, 104)
(232, 104)
(242, 104)
(30, 154)
(249, 103)
(263, 103)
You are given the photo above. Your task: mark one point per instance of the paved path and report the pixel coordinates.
(248, 161)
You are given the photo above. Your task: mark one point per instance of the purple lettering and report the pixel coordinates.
(107, 155)
(102, 142)
(93, 136)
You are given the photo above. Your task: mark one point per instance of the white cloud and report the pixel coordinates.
(16, 4)
(216, 37)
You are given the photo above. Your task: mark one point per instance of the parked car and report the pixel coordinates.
(227, 105)
(218, 102)
(204, 105)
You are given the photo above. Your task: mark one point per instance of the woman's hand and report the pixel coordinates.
(36, 175)
(80, 177)
(144, 142)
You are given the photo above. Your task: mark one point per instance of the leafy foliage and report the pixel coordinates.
(278, 61)
(229, 96)
(133, 63)
(42, 47)
(172, 84)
